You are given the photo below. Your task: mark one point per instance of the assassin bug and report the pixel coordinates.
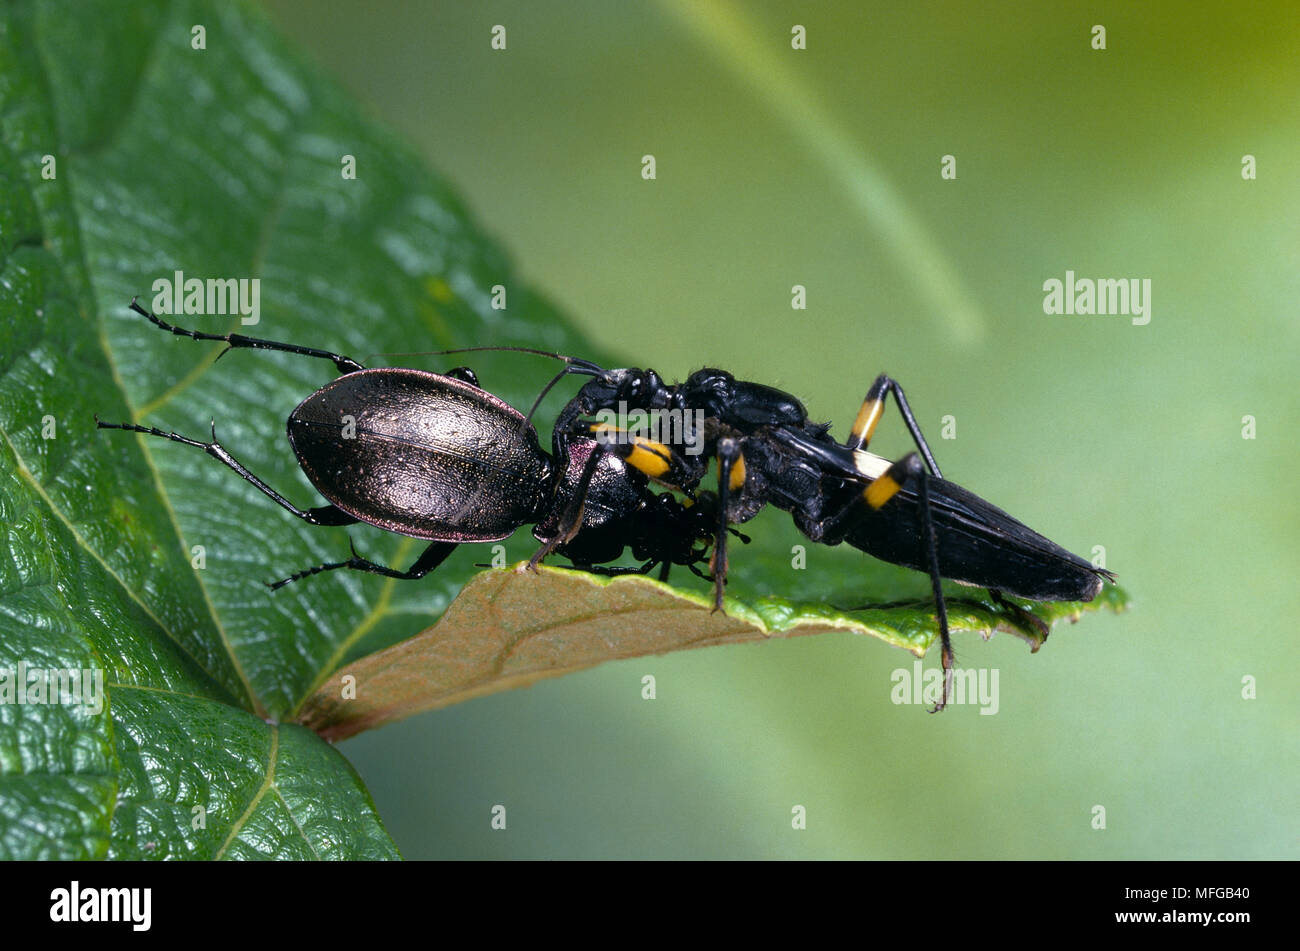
(434, 456)
(767, 451)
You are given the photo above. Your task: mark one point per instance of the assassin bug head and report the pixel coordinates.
(639, 389)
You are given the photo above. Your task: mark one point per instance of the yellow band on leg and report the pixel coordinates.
(881, 491)
(865, 425)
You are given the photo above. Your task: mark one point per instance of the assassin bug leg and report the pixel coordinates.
(239, 341)
(873, 407)
(695, 570)
(929, 543)
(910, 471)
(615, 571)
(321, 515)
(731, 477)
(1026, 618)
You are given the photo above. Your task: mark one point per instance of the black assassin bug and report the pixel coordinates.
(434, 456)
(767, 451)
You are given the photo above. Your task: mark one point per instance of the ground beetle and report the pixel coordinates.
(434, 456)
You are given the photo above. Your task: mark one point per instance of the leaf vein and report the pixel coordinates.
(267, 783)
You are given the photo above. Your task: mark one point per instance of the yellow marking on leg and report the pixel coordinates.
(868, 416)
(881, 491)
(737, 480)
(652, 458)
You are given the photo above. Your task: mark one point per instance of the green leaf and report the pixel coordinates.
(510, 628)
(126, 155)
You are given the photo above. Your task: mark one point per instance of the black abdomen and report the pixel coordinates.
(421, 454)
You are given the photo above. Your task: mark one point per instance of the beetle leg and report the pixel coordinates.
(571, 520)
(432, 557)
(321, 515)
(873, 407)
(237, 341)
(464, 374)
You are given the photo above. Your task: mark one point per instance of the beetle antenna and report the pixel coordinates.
(574, 364)
(546, 389)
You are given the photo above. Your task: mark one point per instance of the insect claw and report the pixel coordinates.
(948, 661)
(539, 555)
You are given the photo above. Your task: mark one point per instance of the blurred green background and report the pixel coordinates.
(821, 167)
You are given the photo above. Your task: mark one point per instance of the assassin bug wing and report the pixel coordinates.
(977, 544)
